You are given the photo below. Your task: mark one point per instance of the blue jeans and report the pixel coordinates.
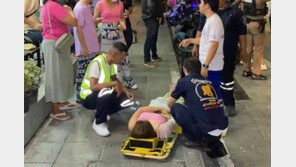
(214, 77)
(152, 26)
(35, 36)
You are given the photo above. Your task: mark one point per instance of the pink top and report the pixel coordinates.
(166, 127)
(107, 14)
(157, 117)
(56, 13)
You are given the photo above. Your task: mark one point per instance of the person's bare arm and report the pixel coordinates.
(171, 102)
(186, 42)
(35, 26)
(243, 46)
(82, 40)
(122, 21)
(95, 86)
(133, 120)
(211, 54)
(70, 19)
(196, 47)
(119, 88)
(97, 14)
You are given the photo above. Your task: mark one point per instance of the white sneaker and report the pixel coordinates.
(101, 129)
(135, 86)
(263, 67)
(108, 118)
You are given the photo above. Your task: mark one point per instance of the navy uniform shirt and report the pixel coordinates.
(234, 23)
(202, 101)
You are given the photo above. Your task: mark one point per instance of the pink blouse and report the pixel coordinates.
(109, 16)
(166, 127)
(56, 13)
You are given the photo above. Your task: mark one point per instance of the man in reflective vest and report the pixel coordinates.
(101, 90)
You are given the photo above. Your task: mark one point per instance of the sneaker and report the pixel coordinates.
(157, 59)
(263, 67)
(101, 129)
(130, 84)
(246, 73)
(230, 111)
(258, 77)
(150, 64)
(108, 118)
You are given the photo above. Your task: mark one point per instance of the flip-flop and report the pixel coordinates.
(56, 116)
(68, 106)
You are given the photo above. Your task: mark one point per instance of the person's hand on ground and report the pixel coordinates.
(38, 27)
(130, 95)
(85, 51)
(185, 43)
(204, 72)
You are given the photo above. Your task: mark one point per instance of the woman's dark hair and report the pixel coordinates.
(143, 129)
(192, 65)
(214, 4)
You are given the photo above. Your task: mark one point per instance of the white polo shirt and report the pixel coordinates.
(213, 31)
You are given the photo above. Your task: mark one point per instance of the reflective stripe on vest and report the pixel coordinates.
(105, 76)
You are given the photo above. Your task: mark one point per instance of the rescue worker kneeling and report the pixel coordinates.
(202, 119)
(101, 90)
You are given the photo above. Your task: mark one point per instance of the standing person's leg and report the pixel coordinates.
(214, 77)
(151, 28)
(258, 39)
(154, 46)
(250, 45)
(227, 85)
(190, 127)
(82, 63)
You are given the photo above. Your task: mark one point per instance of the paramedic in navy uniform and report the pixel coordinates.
(235, 28)
(202, 119)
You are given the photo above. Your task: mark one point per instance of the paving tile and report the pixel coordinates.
(43, 152)
(37, 165)
(119, 164)
(78, 154)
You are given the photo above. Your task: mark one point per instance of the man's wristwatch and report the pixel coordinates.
(205, 66)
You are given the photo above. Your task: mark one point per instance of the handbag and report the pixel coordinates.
(64, 43)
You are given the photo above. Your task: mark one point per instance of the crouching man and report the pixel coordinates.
(202, 119)
(101, 90)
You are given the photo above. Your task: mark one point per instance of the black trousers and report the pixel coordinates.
(105, 104)
(152, 26)
(128, 33)
(227, 80)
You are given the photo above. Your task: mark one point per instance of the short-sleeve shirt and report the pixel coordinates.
(56, 13)
(94, 71)
(234, 23)
(202, 101)
(30, 6)
(108, 15)
(84, 18)
(213, 31)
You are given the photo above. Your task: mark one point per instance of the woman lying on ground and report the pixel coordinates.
(148, 122)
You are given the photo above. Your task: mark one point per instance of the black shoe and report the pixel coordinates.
(157, 59)
(246, 73)
(217, 149)
(258, 77)
(196, 144)
(230, 111)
